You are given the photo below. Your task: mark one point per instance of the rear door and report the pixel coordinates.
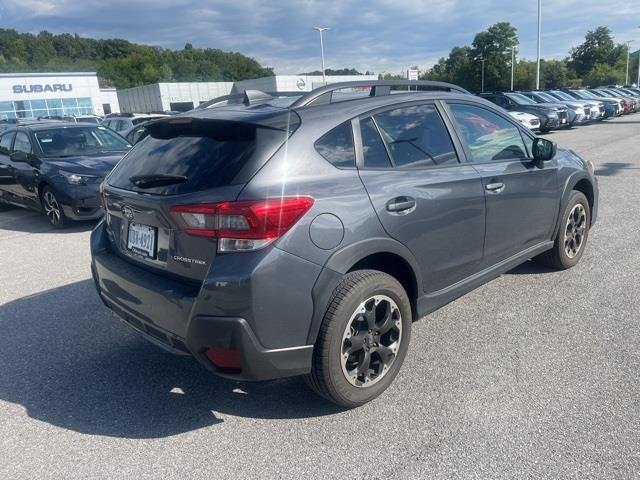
(521, 194)
(423, 195)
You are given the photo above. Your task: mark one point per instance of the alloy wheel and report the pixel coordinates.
(371, 341)
(575, 231)
(52, 208)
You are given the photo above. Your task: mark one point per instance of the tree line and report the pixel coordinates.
(120, 63)
(597, 61)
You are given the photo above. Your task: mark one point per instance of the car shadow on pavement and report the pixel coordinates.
(530, 268)
(70, 363)
(27, 221)
(610, 169)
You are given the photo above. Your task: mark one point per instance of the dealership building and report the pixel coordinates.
(160, 97)
(44, 94)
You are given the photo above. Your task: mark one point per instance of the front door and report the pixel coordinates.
(424, 197)
(521, 194)
(25, 174)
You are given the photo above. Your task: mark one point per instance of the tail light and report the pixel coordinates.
(244, 225)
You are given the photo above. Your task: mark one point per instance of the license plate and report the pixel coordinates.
(142, 240)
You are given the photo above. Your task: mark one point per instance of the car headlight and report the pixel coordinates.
(579, 111)
(79, 178)
(552, 114)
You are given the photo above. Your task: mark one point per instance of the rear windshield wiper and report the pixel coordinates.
(156, 180)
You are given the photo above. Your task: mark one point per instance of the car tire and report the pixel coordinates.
(545, 130)
(372, 307)
(571, 239)
(52, 208)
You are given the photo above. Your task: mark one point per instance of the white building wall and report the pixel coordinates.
(141, 99)
(109, 96)
(195, 92)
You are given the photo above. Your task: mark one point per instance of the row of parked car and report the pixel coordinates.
(565, 108)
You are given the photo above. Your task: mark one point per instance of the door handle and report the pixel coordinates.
(495, 187)
(400, 204)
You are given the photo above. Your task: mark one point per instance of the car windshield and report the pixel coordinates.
(547, 97)
(520, 99)
(562, 95)
(585, 94)
(74, 141)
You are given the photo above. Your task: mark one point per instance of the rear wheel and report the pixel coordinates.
(572, 236)
(53, 209)
(363, 339)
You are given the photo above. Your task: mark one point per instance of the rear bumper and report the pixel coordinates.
(188, 319)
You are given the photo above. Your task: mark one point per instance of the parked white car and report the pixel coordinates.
(528, 120)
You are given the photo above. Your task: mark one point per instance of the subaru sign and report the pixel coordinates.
(39, 88)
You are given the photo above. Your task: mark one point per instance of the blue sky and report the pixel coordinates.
(377, 35)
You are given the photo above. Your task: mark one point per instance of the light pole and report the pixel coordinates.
(482, 89)
(626, 76)
(539, 33)
(513, 64)
(320, 30)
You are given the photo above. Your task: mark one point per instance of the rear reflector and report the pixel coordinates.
(244, 225)
(225, 359)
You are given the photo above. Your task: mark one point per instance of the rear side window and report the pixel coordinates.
(336, 146)
(207, 153)
(416, 137)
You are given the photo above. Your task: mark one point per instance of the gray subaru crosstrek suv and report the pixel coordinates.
(272, 237)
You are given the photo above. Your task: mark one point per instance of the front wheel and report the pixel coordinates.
(363, 339)
(53, 209)
(571, 239)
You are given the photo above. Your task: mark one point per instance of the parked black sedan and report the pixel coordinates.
(57, 168)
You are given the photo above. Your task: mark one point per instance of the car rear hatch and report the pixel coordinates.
(196, 161)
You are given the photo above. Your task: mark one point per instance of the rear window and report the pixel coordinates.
(206, 153)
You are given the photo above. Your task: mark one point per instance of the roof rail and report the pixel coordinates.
(324, 94)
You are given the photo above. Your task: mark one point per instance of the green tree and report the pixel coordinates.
(121, 63)
(598, 48)
(553, 74)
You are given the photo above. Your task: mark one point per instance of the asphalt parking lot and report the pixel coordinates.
(535, 375)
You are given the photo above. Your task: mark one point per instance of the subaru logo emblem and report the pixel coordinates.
(127, 212)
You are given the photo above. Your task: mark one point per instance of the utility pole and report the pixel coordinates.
(321, 30)
(626, 76)
(539, 34)
(482, 60)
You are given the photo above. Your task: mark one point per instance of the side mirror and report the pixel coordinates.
(543, 149)
(19, 157)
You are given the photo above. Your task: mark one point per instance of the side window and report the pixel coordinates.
(416, 137)
(5, 143)
(373, 150)
(336, 146)
(22, 143)
(489, 136)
